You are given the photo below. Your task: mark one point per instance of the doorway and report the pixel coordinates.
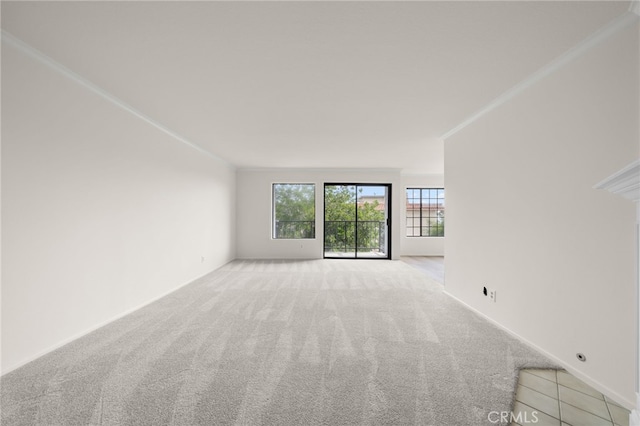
(357, 220)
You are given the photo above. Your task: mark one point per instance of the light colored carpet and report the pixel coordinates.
(321, 342)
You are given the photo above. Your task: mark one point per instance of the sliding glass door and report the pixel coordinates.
(356, 221)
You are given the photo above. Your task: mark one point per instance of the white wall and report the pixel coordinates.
(523, 218)
(420, 246)
(254, 210)
(101, 213)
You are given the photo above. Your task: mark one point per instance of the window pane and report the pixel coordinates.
(294, 211)
(425, 212)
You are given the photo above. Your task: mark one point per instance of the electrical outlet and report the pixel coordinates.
(492, 295)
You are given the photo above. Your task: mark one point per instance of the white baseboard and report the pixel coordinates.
(588, 380)
(99, 325)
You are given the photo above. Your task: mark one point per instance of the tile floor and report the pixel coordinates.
(433, 266)
(555, 397)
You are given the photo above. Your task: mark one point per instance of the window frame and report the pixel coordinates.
(420, 217)
(273, 211)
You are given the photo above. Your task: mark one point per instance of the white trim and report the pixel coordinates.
(619, 23)
(422, 175)
(625, 182)
(100, 325)
(319, 169)
(596, 385)
(634, 416)
(33, 53)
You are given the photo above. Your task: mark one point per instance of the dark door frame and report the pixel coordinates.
(388, 209)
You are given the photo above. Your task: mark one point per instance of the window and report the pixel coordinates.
(294, 210)
(425, 212)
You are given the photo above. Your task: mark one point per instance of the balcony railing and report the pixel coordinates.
(295, 229)
(341, 235)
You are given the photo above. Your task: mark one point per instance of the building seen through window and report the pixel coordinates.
(425, 212)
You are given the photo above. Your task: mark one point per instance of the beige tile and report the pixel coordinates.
(539, 384)
(538, 400)
(545, 374)
(523, 414)
(584, 402)
(577, 417)
(620, 415)
(611, 401)
(570, 381)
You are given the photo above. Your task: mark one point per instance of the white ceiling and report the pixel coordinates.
(308, 84)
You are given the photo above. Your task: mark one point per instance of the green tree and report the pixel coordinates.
(371, 226)
(339, 216)
(437, 230)
(294, 208)
(434, 227)
(341, 210)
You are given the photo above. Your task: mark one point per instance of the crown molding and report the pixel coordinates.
(625, 182)
(613, 27)
(321, 169)
(14, 42)
(422, 175)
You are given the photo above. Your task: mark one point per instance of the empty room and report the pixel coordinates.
(320, 213)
